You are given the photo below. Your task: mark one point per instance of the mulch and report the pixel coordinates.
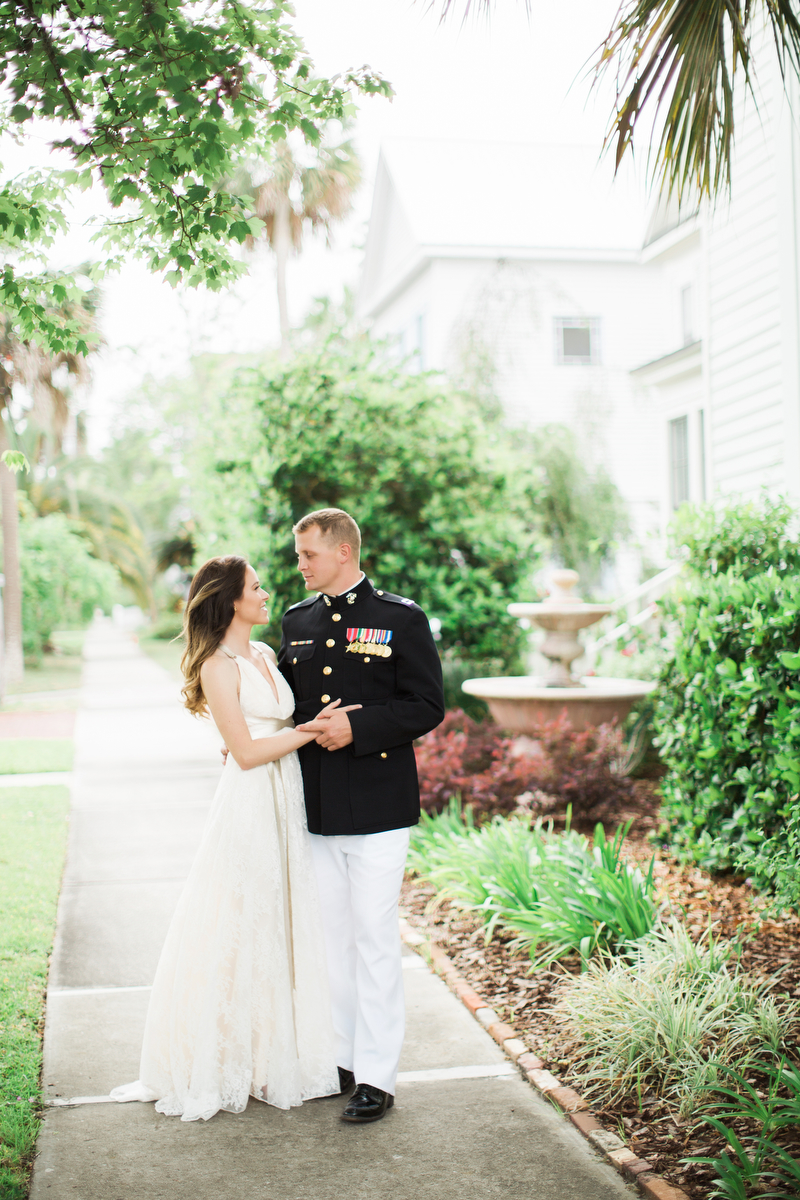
(770, 949)
(37, 724)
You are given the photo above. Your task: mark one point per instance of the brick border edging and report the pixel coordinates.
(614, 1150)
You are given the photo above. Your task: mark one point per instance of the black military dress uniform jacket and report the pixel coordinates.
(371, 648)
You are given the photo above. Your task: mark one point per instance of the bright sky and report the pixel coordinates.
(513, 77)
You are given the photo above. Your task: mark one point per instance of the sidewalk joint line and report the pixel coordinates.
(37, 779)
(495, 1071)
(73, 883)
(436, 1075)
(98, 991)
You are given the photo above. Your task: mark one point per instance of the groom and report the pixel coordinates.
(375, 649)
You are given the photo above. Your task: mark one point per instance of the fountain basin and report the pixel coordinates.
(549, 615)
(521, 703)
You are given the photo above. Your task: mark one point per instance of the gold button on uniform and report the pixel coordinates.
(383, 754)
(325, 699)
(330, 642)
(380, 594)
(337, 617)
(294, 660)
(366, 659)
(327, 670)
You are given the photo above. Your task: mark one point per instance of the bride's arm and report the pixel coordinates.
(220, 680)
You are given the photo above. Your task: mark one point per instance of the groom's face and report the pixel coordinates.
(319, 561)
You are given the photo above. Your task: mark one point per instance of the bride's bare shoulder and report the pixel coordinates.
(219, 665)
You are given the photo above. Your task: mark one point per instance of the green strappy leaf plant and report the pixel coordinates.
(559, 893)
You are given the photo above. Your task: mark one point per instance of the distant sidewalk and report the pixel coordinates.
(464, 1124)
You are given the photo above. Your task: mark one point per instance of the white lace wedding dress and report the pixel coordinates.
(240, 1003)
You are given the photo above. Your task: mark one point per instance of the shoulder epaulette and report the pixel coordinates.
(393, 599)
(303, 603)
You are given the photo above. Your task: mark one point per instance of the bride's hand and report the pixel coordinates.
(334, 707)
(332, 729)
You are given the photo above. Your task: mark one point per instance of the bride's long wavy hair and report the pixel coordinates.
(209, 611)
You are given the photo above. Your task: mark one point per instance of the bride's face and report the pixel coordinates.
(252, 604)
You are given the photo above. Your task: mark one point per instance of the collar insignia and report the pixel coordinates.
(351, 597)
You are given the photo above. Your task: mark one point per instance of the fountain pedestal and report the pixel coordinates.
(521, 703)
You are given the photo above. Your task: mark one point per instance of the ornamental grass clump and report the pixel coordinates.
(560, 893)
(671, 1017)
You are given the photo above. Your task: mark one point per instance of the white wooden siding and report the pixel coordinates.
(746, 377)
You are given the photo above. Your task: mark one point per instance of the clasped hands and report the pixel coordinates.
(331, 725)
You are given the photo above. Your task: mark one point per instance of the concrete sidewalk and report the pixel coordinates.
(464, 1124)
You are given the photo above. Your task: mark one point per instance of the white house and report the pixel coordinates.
(523, 262)
(668, 341)
(728, 389)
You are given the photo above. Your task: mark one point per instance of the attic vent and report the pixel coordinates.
(577, 341)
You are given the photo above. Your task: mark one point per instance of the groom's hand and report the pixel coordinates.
(333, 732)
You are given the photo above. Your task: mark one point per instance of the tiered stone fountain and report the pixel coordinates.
(521, 703)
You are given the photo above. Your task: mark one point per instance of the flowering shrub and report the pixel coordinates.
(478, 762)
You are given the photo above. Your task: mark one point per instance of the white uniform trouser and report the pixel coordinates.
(359, 878)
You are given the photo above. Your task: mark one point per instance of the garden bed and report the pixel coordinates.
(653, 1129)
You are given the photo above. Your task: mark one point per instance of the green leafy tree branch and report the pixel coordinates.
(157, 101)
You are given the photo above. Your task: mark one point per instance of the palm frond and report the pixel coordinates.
(679, 60)
(449, 6)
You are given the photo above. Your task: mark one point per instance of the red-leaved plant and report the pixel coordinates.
(500, 774)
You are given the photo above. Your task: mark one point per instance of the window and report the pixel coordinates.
(679, 461)
(577, 341)
(688, 321)
(411, 345)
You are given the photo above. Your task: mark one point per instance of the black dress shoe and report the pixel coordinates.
(346, 1080)
(367, 1103)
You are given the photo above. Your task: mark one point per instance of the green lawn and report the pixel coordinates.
(53, 674)
(19, 756)
(60, 671)
(166, 654)
(33, 838)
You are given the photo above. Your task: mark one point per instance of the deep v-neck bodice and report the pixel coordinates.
(265, 710)
(273, 687)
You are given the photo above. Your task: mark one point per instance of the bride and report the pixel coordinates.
(240, 1006)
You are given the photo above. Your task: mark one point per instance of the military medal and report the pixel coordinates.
(370, 641)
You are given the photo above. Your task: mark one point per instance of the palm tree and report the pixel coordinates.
(33, 367)
(678, 59)
(293, 194)
(13, 664)
(83, 490)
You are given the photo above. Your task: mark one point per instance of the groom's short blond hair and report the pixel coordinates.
(336, 527)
